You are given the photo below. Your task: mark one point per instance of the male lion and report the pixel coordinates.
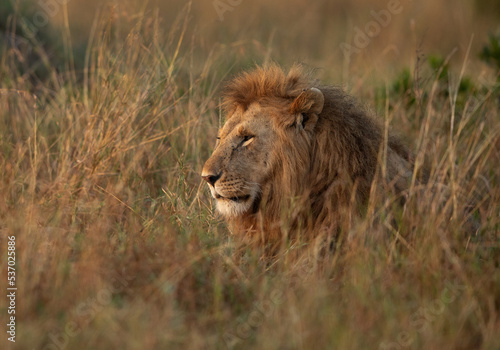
(297, 157)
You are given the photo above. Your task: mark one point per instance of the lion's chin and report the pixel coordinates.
(236, 206)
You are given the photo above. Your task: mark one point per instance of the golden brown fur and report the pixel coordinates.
(294, 160)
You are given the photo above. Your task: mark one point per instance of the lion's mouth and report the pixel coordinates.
(233, 199)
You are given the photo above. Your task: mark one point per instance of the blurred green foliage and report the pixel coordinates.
(491, 52)
(412, 89)
(29, 45)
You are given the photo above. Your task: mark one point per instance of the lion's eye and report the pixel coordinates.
(247, 140)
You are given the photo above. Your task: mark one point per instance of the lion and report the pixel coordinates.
(297, 158)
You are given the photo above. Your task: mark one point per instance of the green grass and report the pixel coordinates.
(118, 244)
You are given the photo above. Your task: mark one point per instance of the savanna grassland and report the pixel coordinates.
(108, 112)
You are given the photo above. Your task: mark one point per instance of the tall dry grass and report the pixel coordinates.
(118, 246)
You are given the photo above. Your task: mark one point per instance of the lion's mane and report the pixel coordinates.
(321, 177)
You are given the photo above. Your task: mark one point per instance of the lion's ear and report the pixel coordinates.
(309, 101)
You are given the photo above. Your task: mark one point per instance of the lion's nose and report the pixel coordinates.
(211, 179)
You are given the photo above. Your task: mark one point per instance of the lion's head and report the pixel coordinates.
(287, 139)
(250, 147)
